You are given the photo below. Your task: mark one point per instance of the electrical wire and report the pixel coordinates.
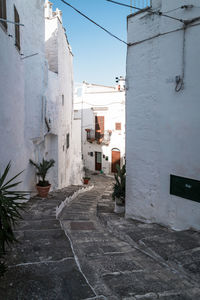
(166, 12)
(180, 81)
(89, 19)
(161, 34)
(159, 13)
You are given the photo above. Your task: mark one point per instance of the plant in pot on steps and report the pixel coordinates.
(43, 185)
(119, 189)
(86, 180)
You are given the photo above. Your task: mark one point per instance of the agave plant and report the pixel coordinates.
(9, 211)
(42, 169)
(119, 187)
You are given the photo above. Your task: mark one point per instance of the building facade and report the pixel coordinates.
(59, 110)
(163, 123)
(102, 113)
(36, 115)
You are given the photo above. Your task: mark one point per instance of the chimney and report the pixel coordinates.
(48, 9)
(59, 14)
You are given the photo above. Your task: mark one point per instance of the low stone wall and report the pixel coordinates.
(70, 198)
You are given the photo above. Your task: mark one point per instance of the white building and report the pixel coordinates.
(36, 115)
(22, 85)
(62, 147)
(163, 122)
(102, 113)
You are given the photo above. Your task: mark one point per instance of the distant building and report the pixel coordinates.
(36, 115)
(102, 112)
(163, 122)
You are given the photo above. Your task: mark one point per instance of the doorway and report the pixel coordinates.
(115, 160)
(98, 161)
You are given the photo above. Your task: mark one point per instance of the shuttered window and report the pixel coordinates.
(117, 126)
(17, 29)
(3, 13)
(99, 127)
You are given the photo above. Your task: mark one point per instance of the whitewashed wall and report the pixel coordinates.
(60, 98)
(21, 95)
(162, 125)
(31, 90)
(101, 101)
(77, 172)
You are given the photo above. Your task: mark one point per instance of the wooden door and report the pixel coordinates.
(99, 127)
(115, 160)
(98, 161)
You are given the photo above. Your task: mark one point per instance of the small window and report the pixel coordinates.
(63, 100)
(3, 14)
(17, 29)
(117, 126)
(67, 140)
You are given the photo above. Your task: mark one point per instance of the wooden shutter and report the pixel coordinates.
(117, 126)
(3, 14)
(115, 161)
(99, 126)
(17, 29)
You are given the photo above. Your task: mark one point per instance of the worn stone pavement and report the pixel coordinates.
(42, 265)
(98, 254)
(126, 259)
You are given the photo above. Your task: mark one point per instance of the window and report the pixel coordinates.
(3, 13)
(17, 29)
(117, 126)
(99, 127)
(67, 140)
(63, 100)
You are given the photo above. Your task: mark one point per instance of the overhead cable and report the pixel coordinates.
(7, 21)
(188, 6)
(159, 13)
(104, 29)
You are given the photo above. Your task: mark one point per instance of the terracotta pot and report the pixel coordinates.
(119, 209)
(85, 180)
(43, 190)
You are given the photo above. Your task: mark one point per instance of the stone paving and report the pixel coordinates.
(126, 259)
(42, 265)
(93, 253)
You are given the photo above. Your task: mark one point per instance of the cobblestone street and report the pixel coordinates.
(92, 253)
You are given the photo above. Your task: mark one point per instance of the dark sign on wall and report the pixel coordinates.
(185, 187)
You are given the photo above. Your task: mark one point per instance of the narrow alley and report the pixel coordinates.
(98, 254)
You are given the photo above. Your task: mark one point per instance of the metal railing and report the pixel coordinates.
(100, 138)
(140, 4)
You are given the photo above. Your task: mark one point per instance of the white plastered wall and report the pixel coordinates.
(162, 125)
(22, 86)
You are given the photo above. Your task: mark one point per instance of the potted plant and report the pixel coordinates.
(43, 186)
(119, 189)
(10, 206)
(86, 180)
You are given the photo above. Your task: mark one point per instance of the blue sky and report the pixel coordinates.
(98, 58)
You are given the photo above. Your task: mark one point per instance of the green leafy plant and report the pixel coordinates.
(119, 187)
(42, 169)
(9, 211)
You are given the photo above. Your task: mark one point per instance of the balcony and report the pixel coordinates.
(97, 136)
